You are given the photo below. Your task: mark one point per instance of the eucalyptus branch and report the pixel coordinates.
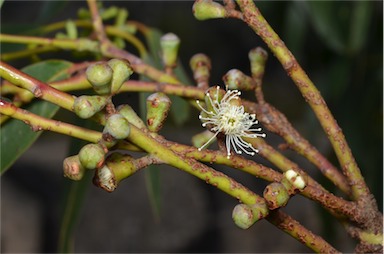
(39, 123)
(36, 87)
(256, 21)
(296, 230)
(276, 122)
(215, 178)
(81, 44)
(27, 52)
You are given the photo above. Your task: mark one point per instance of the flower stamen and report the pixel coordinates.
(231, 120)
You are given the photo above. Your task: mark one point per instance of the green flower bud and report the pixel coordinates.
(257, 58)
(121, 17)
(158, 105)
(86, 106)
(117, 126)
(201, 66)
(169, 47)
(83, 13)
(71, 29)
(122, 70)
(109, 13)
(202, 138)
(73, 169)
(293, 181)
(91, 156)
(276, 195)
(207, 9)
(117, 167)
(100, 76)
(236, 80)
(245, 216)
(128, 112)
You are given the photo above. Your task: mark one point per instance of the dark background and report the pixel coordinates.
(339, 44)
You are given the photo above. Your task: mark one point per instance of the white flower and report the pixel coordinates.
(231, 120)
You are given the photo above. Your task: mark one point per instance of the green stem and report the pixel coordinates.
(256, 21)
(26, 52)
(36, 87)
(81, 44)
(329, 201)
(39, 123)
(211, 176)
(298, 231)
(276, 122)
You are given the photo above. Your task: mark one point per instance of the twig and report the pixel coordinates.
(256, 21)
(298, 231)
(39, 123)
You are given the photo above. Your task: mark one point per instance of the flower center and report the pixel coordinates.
(230, 119)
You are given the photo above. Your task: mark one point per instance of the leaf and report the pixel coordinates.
(153, 184)
(360, 22)
(16, 136)
(329, 21)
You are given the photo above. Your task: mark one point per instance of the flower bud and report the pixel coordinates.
(117, 126)
(109, 13)
(73, 169)
(117, 167)
(207, 9)
(245, 216)
(91, 156)
(276, 195)
(71, 29)
(169, 47)
(122, 70)
(294, 179)
(100, 76)
(201, 67)
(202, 138)
(158, 105)
(212, 95)
(86, 106)
(257, 57)
(235, 79)
(128, 112)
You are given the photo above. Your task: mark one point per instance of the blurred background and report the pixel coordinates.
(338, 43)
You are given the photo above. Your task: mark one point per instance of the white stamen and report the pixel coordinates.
(231, 120)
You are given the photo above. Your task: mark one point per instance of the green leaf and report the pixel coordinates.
(16, 136)
(153, 184)
(329, 19)
(360, 22)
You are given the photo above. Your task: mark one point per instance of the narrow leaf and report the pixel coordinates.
(16, 136)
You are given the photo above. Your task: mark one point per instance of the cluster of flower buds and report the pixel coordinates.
(106, 79)
(277, 194)
(109, 170)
